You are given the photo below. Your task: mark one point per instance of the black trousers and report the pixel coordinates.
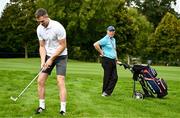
(110, 75)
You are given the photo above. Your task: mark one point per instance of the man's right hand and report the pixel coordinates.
(101, 54)
(48, 63)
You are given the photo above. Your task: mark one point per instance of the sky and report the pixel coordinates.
(3, 3)
(177, 7)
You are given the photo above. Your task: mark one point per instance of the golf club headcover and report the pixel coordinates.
(126, 66)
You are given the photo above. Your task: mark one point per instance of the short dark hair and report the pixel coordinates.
(41, 12)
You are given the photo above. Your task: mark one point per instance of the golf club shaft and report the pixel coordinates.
(30, 83)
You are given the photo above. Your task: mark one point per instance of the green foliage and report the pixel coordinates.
(18, 26)
(166, 40)
(132, 32)
(154, 10)
(86, 21)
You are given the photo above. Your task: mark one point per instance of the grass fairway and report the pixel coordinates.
(83, 82)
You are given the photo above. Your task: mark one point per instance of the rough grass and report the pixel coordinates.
(83, 81)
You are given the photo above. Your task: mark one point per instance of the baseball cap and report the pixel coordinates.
(111, 28)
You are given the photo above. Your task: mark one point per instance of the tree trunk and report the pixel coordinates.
(26, 50)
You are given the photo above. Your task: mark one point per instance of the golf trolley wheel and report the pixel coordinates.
(138, 95)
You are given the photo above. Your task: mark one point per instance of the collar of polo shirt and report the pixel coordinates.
(49, 24)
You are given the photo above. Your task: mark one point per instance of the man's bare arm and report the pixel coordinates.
(42, 52)
(60, 49)
(98, 48)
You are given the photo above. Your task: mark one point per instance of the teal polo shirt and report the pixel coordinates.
(107, 45)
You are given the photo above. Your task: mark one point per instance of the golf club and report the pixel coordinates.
(16, 98)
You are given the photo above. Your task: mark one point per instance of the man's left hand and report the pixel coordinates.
(118, 62)
(48, 63)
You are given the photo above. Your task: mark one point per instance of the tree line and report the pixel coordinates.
(145, 29)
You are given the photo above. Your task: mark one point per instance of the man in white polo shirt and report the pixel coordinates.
(53, 52)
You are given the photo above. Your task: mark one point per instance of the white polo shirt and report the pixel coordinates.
(51, 34)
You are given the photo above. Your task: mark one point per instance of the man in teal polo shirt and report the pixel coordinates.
(107, 49)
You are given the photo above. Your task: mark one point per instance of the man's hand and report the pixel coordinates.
(48, 63)
(42, 65)
(118, 62)
(97, 47)
(101, 53)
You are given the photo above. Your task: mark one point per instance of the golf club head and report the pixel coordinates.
(14, 99)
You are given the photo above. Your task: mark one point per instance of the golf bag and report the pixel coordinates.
(147, 77)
